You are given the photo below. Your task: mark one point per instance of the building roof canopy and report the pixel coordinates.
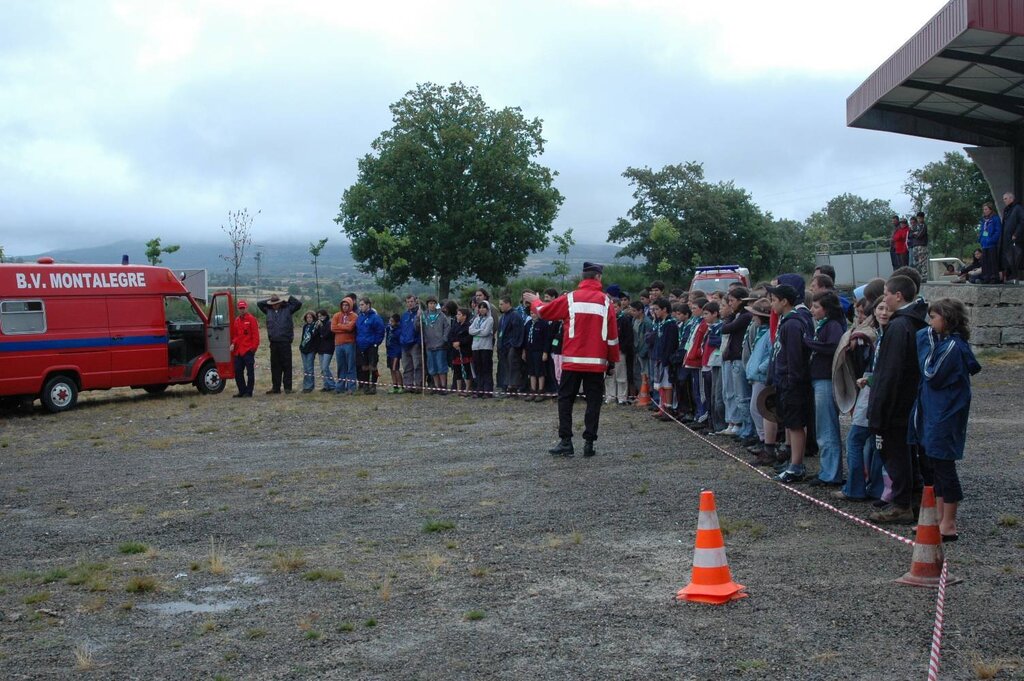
(960, 78)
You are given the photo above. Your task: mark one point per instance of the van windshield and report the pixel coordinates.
(179, 310)
(712, 284)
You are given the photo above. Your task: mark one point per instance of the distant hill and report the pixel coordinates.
(287, 260)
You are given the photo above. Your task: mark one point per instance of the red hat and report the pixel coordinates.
(242, 305)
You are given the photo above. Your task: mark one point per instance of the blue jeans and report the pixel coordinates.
(737, 396)
(437, 362)
(308, 371)
(325, 371)
(826, 426)
(861, 454)
(345, 363)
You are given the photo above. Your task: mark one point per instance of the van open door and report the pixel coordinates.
(218, 334)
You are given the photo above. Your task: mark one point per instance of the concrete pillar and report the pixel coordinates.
(1001, 168)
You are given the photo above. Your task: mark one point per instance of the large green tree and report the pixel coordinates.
(950, 192)
(680, 221)
(452, 190)
(849, 217)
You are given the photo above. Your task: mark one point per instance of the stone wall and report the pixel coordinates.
(997, 312)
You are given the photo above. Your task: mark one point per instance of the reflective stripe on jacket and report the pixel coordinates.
(590, 334)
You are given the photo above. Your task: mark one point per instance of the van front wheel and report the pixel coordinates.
(59, 394)
(209, 381)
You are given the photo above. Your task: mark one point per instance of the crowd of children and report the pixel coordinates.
(772, 367)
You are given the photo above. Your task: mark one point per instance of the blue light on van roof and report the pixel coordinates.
(709, 268)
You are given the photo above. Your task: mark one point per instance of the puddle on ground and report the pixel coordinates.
(216, 589)
(248, 580)
(190, 608)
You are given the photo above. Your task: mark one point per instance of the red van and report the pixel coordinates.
(68, 328)
(712, 278)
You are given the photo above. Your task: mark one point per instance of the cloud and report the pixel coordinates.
(141, 120)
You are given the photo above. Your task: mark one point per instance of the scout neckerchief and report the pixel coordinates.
(777, 347)
(818, 326)
(939, 348)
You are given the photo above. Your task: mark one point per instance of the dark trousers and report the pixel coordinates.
(946, 480)
(516, 370)
(483, 366)
(684, 393)
(593, 390)
(902, 464)
(281, 364)
(245, 372)
(990, 265)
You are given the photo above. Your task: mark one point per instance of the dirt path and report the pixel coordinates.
(433, 537)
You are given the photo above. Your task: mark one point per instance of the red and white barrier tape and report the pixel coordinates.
(940, 602)
(936, 647)
(803, 495)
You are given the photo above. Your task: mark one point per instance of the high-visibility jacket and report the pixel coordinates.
(590, 332)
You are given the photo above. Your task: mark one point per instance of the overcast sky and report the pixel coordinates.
(142, 119)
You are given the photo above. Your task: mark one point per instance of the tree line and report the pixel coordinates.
(454, 191)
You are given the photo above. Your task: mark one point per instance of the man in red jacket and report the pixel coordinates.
(245, 339)
(590, 349)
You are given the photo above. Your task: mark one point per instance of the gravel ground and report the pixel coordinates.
(395, 537)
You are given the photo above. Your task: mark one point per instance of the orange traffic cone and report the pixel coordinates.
(926, 564)
(644, 398)
(710, 581)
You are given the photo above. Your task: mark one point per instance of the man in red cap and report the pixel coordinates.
(245, 339)
(590, 349)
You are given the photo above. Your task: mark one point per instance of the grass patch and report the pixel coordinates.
(438, 526)
(328, 575)
(745, 666)
(255, 634)
(20, 576)
(83, 572)
(370, 623)
(141, 584)
(37, 597)
(645, 486)
(93, 605)
(755, 530)
(216, 563)
(207, 627)
(345, 628)
(362, 474)
(988, 669)
(132, 547)
(312, 635)
(83, 657)
(385, 589)
(434, 562)
(127, 605)
(54, 575)
(474, 615)
(1008, 521)
(289, 561)
(480, 572)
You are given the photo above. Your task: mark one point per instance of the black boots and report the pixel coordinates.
(588, 448)
(564, 448)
